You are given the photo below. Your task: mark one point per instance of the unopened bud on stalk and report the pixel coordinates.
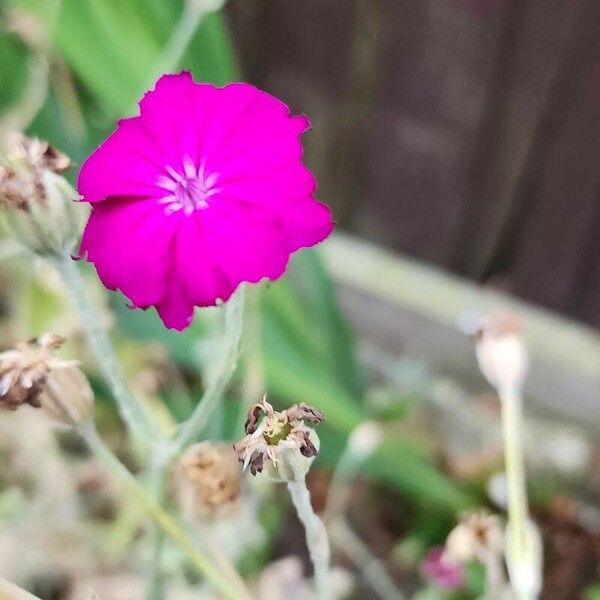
(30, 374)
(38, 202)
(207, 480)
(501, 353)
(365, 439)
(280, 441)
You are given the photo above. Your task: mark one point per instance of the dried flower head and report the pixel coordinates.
(38, 201)
(30, 374)
(24, 371)
(478, 535)
(207, 480)
(501, 353)
(281, 439)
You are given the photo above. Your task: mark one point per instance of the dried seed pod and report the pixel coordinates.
(30, 374)
(207, 480)
(279, 440)
(67, 397)
(38, 202)
(24, 370)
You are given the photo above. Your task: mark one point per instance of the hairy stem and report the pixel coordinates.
(234, 317)
(342, 535)
(132, 413)
(518, 542)
(156, 475)
(370, 567)
(169, 525)
(316, 536)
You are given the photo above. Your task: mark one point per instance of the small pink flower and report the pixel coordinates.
(204, 190)
(442, 570)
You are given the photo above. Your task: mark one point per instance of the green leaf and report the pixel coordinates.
(211, 55)
(13, 67)
(315, 288)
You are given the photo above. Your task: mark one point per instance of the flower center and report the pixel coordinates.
(276, 429)
(188, 191)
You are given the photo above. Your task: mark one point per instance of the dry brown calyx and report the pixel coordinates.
(25, 369)
(22, 172)
(31, 374)
(207, 479)
(271, 435)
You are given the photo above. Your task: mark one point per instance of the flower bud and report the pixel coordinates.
(501, 353)
(365, 439)
(38, 202)
(442, 570)
(280, 441)
(30, 374)
(207, 480)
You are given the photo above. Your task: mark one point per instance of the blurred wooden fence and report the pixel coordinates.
(462, 132)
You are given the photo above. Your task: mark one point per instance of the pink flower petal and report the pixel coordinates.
(129, 243)
(230, 245)
(125, 165)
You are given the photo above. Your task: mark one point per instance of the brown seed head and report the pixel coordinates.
(30, 374)
(24, 370)
(207, 480)
(39, 202)
(276, 436)
(22, 175)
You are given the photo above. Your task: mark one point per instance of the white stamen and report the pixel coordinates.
(174, 207)
(211, 180)
(174, 174)
(189, 167)
(166, 183)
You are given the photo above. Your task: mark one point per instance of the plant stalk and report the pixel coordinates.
(518, 551)
(316, 536)
(132, 413)
(169, 525)
(234, 318)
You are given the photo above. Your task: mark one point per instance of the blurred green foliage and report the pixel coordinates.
(100, 56)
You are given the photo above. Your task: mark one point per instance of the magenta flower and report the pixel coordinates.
(438, 568)
(204, 190)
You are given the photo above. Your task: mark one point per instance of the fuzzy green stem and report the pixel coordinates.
(131, 411)
(316, 536)
(370, 567)
(169, 525)
(155, 589)
(234, 318)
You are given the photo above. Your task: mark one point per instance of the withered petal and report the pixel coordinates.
(305, 412)
(257, 463)
(254, 415)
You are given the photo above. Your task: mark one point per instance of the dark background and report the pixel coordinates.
(462, 132)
